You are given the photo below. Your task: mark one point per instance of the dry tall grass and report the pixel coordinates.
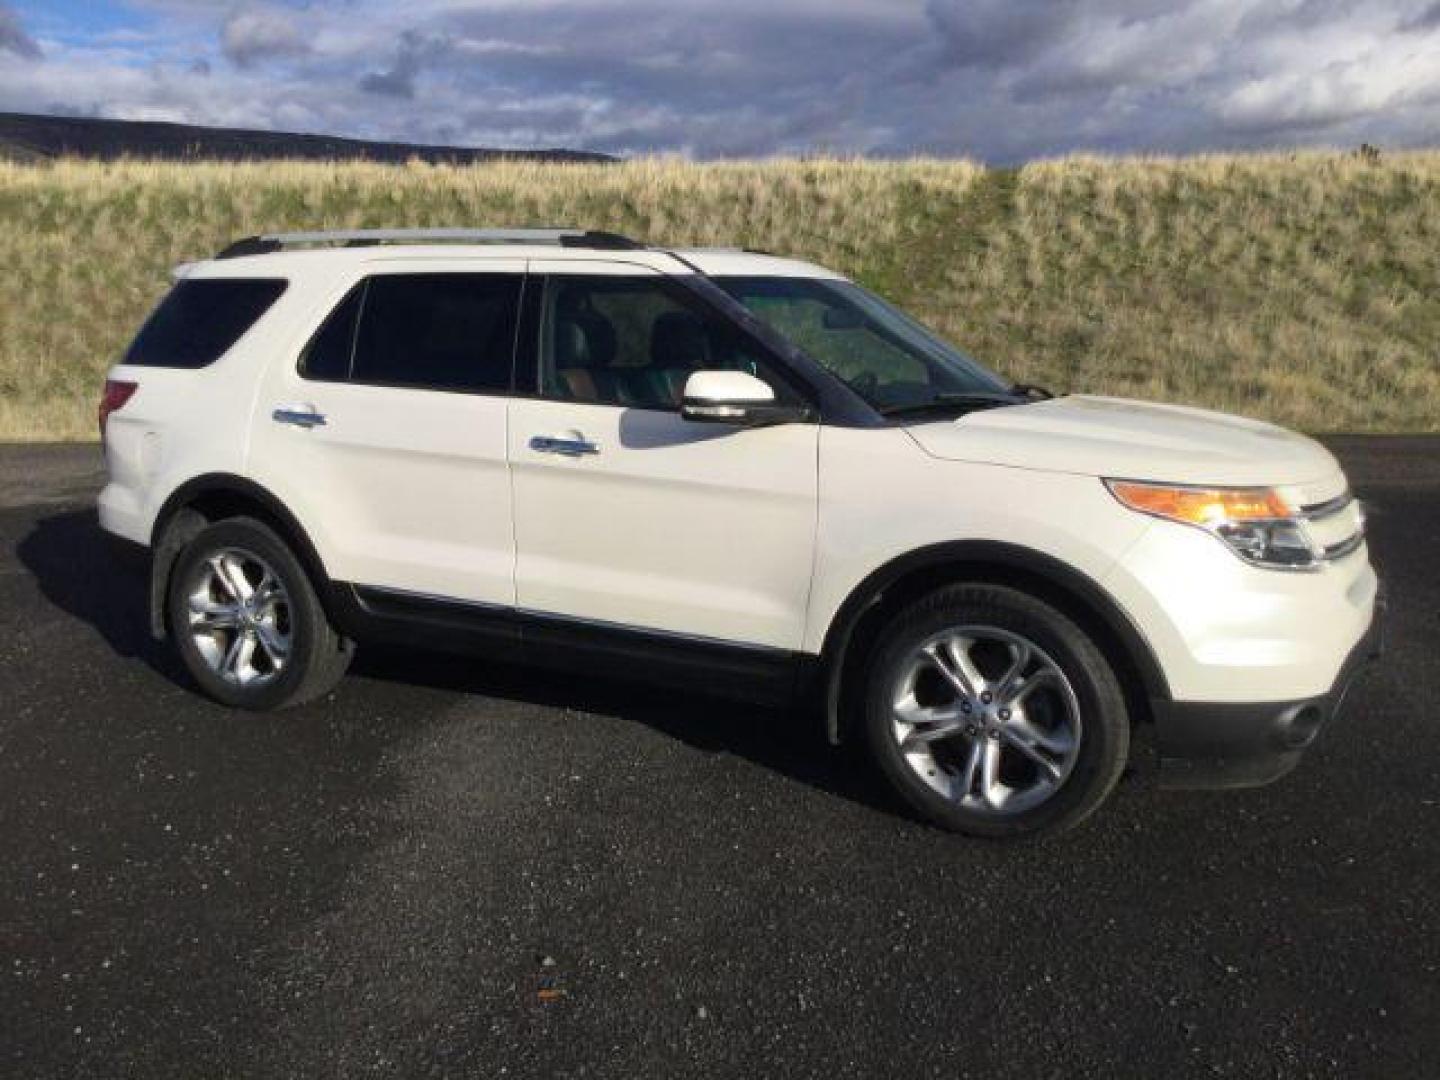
(1300, 288)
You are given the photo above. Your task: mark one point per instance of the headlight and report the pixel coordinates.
(1257, 524)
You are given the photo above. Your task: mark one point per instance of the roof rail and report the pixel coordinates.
(727, 250)
(577, 238)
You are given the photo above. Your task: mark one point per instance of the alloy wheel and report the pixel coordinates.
(987, 719)
(240, 618)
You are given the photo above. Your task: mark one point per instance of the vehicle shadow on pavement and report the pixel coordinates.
(789, 742)
(104, 583)
(87, 574)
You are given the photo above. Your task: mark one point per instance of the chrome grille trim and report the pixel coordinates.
(1345, 547)
(1324, 512)
(1328, 508)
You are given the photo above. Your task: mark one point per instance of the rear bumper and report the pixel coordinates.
(1236, 745)
(121, 515)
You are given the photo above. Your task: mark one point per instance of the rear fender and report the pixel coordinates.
(213, 497)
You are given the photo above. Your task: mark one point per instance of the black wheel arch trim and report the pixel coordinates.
(996, 557)
(178, 522)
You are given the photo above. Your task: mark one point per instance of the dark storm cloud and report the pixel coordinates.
(415, 51)
(13, 38)
(761, 79)
(252, 35)
(1428, 19)
(999, 79)
(997, 33)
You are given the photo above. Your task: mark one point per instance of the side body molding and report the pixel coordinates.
(904, 578)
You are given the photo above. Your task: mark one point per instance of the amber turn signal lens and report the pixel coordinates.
(1202, 506)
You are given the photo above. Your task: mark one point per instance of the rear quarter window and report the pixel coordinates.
(199, 321)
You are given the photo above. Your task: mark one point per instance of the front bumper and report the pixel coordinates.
(1236, 745)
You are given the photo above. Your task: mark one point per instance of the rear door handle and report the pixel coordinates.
(303, 416)
(570, 446)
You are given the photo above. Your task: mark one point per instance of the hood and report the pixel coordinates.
(1115, 437)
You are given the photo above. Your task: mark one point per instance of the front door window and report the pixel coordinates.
(633, 341)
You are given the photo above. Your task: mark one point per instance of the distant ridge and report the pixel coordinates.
(27, 137)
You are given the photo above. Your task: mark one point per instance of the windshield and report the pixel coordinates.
(881, 353)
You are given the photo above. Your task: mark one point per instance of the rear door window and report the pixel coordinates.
(200, 320)
(426, 331)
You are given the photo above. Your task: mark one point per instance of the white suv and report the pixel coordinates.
(739, 473)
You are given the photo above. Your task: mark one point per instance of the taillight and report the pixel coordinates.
(117, 393)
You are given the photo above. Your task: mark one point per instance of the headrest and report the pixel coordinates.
(583, 339)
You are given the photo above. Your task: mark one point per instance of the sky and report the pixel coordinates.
(997, 80)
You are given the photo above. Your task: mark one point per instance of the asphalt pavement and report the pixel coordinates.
(453, 869)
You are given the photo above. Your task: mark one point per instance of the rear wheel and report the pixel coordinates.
(247, 621)
(993, 714)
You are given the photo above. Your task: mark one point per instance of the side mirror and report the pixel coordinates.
(734, 397)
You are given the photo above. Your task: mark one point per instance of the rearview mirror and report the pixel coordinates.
(734, 397)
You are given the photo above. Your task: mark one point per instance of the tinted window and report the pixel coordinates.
(884, 355)
(200, 320)
(634, 341)
(436, 331)
(330, 350)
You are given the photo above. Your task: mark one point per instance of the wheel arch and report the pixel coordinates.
(206, 499)
(886, 590)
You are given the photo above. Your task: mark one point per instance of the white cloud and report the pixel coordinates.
(1001, 79)
(1351, 69)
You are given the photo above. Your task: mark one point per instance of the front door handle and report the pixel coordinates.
(573, 445)
(303, 416)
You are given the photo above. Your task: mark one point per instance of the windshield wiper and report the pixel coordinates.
(1032, 391)
(950, 403)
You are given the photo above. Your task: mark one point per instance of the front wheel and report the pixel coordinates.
(993, 714)
(247, 621)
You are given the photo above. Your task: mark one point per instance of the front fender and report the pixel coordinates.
(916, 572)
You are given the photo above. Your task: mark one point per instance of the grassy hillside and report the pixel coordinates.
(1297, 288)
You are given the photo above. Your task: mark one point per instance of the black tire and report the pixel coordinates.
(1104, 730)
(318, 655)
